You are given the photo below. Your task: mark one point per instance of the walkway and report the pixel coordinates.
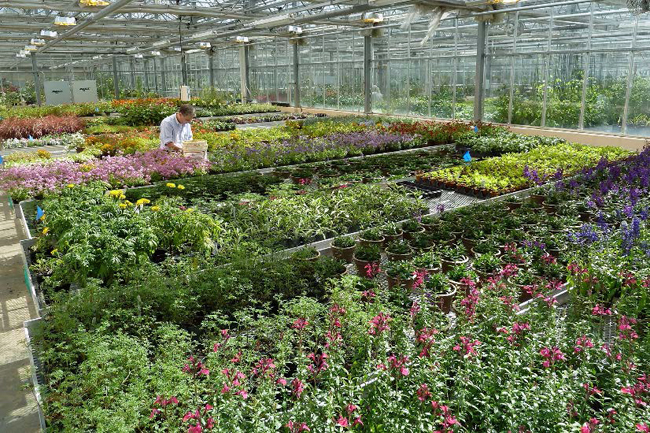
(18, 409)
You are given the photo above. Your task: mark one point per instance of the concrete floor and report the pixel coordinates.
(18, 407)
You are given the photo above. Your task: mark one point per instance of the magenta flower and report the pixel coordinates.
(297, 388)
(467, 347)
(319, 363)
(643, 427)
(379, 324)
(300, 324)
(297, 427)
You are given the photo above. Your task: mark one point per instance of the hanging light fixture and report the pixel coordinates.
(37, 42)
(65, 21)
(155, 53)
(30, 48)
(205, 45)
(241, 40)
(49, 34)
(138, 56)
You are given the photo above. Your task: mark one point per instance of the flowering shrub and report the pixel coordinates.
(12, 128)
(136, 169)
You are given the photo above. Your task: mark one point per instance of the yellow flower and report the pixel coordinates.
(71, 185)
(128, 203)
(45, 230)
(122, 197)
(122, 206)
(171, 185)
(54, 251)
(180, 187)
(189, 209)
(155, 208)
(142, 202)
(115, 193)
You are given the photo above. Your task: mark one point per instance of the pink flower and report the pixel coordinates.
(319, 363)
(467, 346)
(242, 393)
(154, 412)
(297, 388)
(300, 324)
(281, 381)
(195, 429)
(643, 427)
(342, 422)
(295, 427)
(379, 324)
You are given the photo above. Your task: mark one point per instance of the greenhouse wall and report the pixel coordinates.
(581, 65)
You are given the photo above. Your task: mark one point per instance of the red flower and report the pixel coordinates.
(423, 392)
(379, 324)
(300, 324)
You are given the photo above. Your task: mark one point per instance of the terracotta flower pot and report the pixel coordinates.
(361, 265)
(409, 235)
(396, 282)
(367, 242)
(445, 301)
(343, 253)
(396, 257)
(448, 264)
(391, 238)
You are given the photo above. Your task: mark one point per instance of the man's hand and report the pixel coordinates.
(173, 146)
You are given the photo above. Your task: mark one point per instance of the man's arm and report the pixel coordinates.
(167, 137)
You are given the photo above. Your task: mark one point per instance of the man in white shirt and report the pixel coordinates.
(176, 128)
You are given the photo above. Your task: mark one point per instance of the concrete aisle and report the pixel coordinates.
(18, 407)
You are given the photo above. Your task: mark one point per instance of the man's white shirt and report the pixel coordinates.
(172, 131)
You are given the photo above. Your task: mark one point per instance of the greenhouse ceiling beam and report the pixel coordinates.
(93, 19)
(140, 7)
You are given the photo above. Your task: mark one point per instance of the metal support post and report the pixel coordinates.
(479, 79)
(296, 75)
(146, 74)
(585, 71)
(211, 67)
(184, 69)
(511, 98)
(630, 79)
(155, 75)
(367, 69)
(37, 80)
(163, 76)
(132, 70)
(244, 73)
(116, 80)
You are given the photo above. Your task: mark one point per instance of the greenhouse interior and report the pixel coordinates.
(325, 215)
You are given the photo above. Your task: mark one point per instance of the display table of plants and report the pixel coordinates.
(281, 343)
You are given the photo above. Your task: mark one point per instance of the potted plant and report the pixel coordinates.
(371, 237)
(538, 196)
(439, 290)
(457, 274)
(430, 223)
(488, 246)
(309, 254)
(427, 262)
(526, 282)
(472, 236)
(302, 176)
(343, 248)
(513, 202)
(410, 227)
(399, 250)
(422, 242)
(585, 212)
(400, 274)
(487, 265)
(366, 257)
(391, 233)
(451, 256)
